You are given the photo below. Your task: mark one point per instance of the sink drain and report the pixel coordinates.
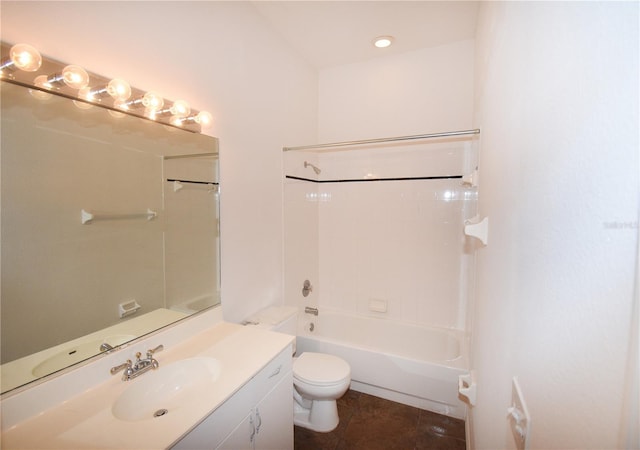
(160, 412)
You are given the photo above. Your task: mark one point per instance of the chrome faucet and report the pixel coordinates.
(104, 347)
(133, 370)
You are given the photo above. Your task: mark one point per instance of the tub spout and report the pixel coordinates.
(310, 310)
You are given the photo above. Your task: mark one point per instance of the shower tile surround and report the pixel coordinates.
(395, 243)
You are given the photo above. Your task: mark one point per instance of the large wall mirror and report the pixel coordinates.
(109, 230)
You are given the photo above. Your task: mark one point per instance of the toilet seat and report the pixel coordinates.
(320, 369)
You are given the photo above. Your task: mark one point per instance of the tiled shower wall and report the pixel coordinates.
(396, 246)
(400, 242)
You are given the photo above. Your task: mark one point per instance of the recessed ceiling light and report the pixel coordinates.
(383, 41)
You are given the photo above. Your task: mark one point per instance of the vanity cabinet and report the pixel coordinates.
(267, 425)
(258, 416)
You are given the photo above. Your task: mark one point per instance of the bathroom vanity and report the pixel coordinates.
(258, 416)
(227, 386)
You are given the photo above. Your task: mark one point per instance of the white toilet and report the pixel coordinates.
(319, 379)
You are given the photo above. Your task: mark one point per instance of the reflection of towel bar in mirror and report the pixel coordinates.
(88, 217)
(180, 184)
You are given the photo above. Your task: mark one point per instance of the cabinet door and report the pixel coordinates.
(242, 437)
(274, 417)
(221, 423)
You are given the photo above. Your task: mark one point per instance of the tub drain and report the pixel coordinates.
(160, 412)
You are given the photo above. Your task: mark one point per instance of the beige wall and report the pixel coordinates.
(62, 279)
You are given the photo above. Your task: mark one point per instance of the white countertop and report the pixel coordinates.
(85, 420)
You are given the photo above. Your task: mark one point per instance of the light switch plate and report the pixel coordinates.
(519, 417)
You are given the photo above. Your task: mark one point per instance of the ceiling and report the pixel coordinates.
(333, 33)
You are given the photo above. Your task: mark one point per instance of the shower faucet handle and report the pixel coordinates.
(306, 288)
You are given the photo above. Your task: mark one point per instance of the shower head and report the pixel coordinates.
(315, 169)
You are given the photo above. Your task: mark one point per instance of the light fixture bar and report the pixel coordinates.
(53, 76)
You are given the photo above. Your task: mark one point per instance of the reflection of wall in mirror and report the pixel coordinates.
(61, 279)
(53, 267)
(191, 238)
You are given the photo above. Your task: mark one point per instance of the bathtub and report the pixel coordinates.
(410, 364)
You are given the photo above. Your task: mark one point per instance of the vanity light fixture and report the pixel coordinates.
(23, 57)
(203, 118)
(151, 101)
(87, 89)
(117, 88)
(179, 109)
(383, 41)
(73, 76)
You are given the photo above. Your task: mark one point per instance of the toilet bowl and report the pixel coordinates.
(319, 379)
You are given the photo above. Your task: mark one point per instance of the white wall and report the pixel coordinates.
(221, 57)
(417, 92)
(557, 101)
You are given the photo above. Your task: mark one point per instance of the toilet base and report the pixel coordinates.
(321, 417)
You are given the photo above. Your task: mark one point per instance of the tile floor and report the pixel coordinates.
(370, 423)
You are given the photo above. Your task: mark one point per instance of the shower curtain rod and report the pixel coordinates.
(389, 139)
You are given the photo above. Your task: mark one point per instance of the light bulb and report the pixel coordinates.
(152, 100)
(25, 57)
(119, 89)
(121, 104)
(75, 76)
(204, 118)
(43, 82)
(151, 113)
(180, 108)
(85, 93)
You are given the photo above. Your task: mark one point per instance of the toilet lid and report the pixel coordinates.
(320, 368)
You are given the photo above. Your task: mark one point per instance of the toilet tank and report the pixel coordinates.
(283, 319)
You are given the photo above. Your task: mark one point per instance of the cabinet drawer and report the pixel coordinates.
(273, 372)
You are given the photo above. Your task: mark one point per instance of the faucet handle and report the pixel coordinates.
(152, 351)
(123, 366)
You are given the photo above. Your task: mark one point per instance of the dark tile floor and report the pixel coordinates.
(370, 423)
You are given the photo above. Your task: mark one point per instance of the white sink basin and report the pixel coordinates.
(167, 389)
(76, 353)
